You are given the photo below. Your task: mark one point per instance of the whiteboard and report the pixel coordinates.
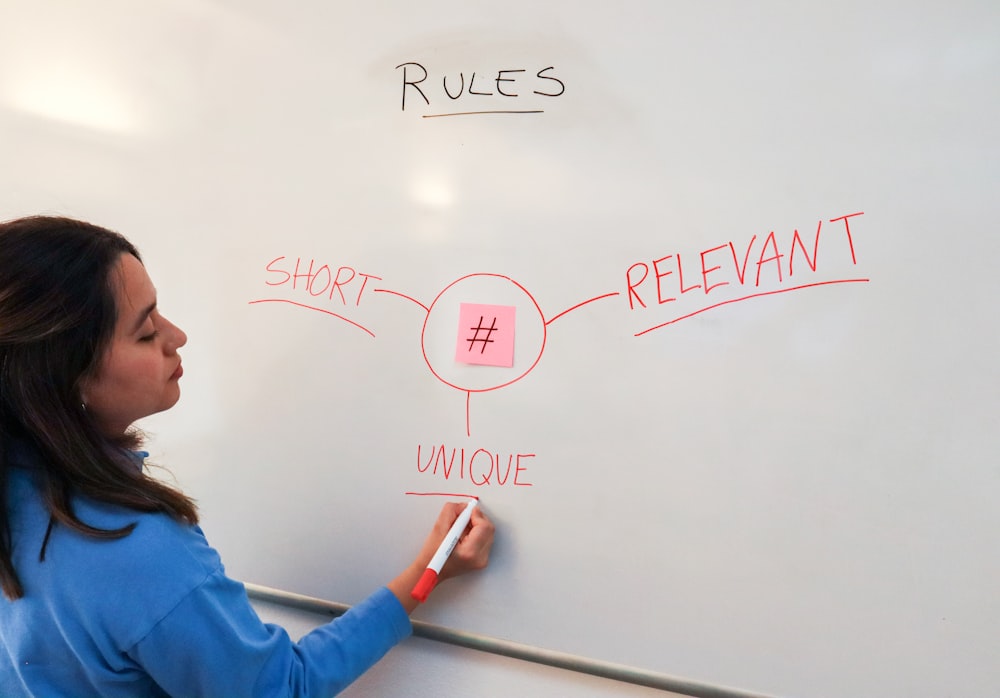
(748, 433)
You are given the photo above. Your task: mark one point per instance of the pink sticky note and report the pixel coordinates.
(485, 335)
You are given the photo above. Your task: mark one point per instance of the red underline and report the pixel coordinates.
(442, 494)
(310, 307)
(746, 298)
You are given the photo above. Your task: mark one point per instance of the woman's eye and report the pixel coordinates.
(149, 337)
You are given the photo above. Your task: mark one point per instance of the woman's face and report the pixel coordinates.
(139, 372)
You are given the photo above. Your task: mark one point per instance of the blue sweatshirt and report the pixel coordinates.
(154, 614)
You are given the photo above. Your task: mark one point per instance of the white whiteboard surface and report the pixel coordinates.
(786, 482)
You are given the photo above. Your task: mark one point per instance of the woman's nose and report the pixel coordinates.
(176, 336)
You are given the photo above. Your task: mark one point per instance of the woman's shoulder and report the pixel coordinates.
(132, 582)
(158, 547)
(114, 590)
(156, 541)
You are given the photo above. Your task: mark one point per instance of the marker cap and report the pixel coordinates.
(423, 588)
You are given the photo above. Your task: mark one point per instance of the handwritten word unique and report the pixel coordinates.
(509, 84)
(481, 467)
(774, 262)
(318, 280)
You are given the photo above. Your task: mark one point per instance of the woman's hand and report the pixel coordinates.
(471, 553)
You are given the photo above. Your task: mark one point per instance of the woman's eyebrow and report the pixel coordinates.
(142, 318)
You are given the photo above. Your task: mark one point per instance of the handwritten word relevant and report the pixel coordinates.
(507, 85)
(481, 467)
(668, 278)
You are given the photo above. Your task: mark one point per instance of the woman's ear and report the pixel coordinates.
(84, 384)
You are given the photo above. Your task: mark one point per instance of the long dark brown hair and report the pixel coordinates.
(57, 317)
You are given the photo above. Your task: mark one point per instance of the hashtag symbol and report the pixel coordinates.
(480, 328)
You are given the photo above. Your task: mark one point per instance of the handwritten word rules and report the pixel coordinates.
(507, 84)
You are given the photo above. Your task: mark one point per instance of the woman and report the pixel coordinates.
(111, 588)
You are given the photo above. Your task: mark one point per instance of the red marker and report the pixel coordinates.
(430, 576)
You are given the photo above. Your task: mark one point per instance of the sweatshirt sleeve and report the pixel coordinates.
(214, 644)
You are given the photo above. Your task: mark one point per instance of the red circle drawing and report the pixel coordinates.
(430, 311)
